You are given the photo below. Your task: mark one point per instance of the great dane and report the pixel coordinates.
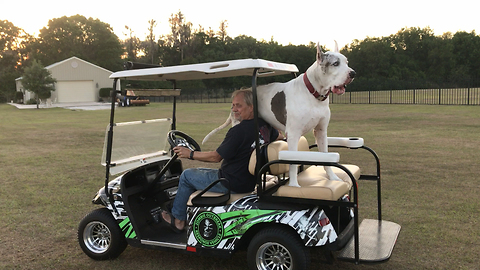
(302, 104)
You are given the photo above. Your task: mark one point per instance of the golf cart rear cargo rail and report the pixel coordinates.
(154, 92)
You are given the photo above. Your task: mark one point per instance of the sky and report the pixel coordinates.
(287, 22)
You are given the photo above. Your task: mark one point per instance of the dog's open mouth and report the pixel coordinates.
(339, 90)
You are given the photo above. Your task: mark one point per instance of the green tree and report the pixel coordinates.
(181, 34)
(89, 39)
(222, 31)
(132, 45)
(150, 46)
(466, 49)
(38, 80)
(12, 53)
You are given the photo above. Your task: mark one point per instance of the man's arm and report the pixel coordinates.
(210, 156)
(280, 135)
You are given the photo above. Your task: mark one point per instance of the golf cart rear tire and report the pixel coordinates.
(100, 236)
(277, 248)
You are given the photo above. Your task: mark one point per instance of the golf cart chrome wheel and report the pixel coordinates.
(273, 256)
(277, 248)
(97, 237)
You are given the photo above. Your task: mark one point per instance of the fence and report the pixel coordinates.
(453, 96)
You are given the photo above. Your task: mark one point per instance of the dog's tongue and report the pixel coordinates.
(339, 90)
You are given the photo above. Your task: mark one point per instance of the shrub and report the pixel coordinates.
(104, 92)
(31, 101)
(18, 96)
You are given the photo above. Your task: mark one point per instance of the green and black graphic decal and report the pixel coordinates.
(221, 227)
(241, 221)
(208, 229)
(127, 228)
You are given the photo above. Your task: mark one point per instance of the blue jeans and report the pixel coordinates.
(192, 180)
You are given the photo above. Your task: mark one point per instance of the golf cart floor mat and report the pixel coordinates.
(377, 239)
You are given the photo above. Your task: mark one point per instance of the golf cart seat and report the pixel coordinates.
(313, 180)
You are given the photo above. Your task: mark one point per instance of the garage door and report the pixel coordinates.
(76, 91)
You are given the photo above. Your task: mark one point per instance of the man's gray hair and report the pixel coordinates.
(247, 95)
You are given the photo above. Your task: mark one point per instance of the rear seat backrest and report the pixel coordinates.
(272, 154)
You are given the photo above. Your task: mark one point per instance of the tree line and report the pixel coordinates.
(411, 58)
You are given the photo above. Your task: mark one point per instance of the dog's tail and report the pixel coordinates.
(224, 125)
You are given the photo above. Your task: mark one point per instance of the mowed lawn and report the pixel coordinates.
(50, 170)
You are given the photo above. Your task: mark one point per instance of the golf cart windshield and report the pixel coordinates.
(137, 143)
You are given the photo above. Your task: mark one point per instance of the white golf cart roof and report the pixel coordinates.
(222, 69)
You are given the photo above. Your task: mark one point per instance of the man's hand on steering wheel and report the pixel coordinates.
(182, 144)
(182, 151)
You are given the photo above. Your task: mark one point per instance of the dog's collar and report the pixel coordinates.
(312, 90)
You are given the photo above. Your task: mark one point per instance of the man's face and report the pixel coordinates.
(241, 110)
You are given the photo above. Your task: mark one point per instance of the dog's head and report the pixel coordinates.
(332, 71)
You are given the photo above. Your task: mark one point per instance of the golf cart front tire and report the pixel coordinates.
(100, 236)
(277, 248)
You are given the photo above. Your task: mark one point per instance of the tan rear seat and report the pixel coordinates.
(314, 183)
(317, 173)
(321, 190)
(313, 180)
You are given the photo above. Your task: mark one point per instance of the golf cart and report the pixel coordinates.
(277, 224)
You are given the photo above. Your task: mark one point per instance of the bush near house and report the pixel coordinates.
(104, 93)
(18, 97)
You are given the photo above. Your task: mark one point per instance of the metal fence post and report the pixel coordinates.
(468, 96)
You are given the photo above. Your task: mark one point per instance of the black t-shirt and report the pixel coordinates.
(236, 149)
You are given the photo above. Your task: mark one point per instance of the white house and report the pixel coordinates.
(77, 81)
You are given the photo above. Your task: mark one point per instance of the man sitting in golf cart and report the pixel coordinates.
(235, 151)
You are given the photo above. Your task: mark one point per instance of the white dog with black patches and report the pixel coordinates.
(302, 104)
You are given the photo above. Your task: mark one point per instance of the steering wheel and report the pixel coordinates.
(178, 138)
(175, 138)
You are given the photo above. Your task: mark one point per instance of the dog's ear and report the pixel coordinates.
(320, 54)
(336, 46)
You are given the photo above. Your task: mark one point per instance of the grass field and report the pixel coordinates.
(50, 170)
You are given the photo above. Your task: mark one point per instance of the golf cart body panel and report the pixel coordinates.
(232, 222)
(218, 225)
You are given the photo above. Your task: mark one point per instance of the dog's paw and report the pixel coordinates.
(293, 184)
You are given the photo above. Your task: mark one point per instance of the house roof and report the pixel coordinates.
(75, 58)
(68, 59)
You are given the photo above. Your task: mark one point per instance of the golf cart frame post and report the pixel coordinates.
(116, 89)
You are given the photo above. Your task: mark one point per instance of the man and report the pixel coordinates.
(235, 151)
